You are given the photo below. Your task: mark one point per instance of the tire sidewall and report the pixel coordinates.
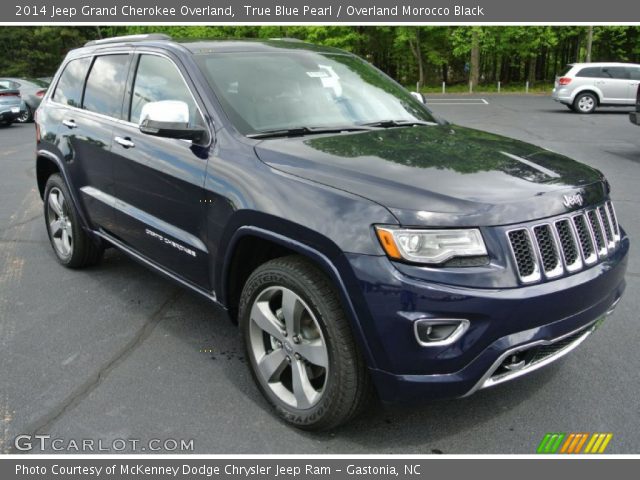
(258, 282)
(55, 181)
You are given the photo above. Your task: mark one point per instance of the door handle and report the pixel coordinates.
(70, 123)
(125, 142)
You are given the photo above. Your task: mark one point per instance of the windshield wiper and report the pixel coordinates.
(300, 131)
(397, 123)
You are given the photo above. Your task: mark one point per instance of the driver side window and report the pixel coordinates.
(157, 78)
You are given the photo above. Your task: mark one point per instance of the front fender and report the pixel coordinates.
(334, 264)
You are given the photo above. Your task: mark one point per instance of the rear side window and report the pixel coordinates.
(9, 84)
(69, 88)
(634, 73)
(566, 70)
(157, 79)
(590, 72)
(105, 85)
(619, 73)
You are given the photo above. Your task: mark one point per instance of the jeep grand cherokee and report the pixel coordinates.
(360, 242)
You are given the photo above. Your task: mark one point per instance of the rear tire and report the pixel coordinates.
(585, 103)
(299, 344)
(26, 116)
(71, 244)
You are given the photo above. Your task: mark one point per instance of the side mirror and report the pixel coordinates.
(169, 118)
(420, 97)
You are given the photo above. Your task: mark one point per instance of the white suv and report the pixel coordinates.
(585, 86)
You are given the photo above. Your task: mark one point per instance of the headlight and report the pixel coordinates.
(430, 246)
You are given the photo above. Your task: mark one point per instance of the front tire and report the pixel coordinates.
(585, 103)
(300, 347)
(71, 244)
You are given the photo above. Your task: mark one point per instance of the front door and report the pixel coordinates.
(159, 181)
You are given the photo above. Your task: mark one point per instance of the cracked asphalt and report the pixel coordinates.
(116, 352)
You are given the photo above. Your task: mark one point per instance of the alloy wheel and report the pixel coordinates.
(24, 116)
(586, 104)
(60, 226)
(289, 348)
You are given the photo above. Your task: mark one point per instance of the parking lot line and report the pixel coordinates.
(457, 101)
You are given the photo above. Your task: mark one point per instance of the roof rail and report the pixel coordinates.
(129, 38)
(287, 39)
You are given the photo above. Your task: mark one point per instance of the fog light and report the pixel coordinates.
(436, 332)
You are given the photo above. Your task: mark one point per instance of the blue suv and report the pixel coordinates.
(361, 243)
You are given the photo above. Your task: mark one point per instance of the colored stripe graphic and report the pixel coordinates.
(574, 442)
(550, 442)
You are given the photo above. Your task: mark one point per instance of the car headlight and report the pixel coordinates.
(430, 246)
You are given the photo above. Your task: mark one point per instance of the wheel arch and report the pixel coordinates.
(332, 264)
(588, 89)
(47, 164)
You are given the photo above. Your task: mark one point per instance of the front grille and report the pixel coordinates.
(565, 245)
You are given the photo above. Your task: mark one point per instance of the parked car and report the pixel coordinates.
(634, 117)
(358, 241)
(10, 102)
(583, 87)
(32, 91)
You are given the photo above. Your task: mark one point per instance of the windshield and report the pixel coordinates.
(269, 91)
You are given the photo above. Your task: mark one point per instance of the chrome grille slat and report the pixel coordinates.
(606, 226)
(585, 237)
(614, 221)
(565, 245)
(569, 244)
(596, 228)
(524, 255)
(547, 250)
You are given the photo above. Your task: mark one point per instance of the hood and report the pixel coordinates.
(440, 175)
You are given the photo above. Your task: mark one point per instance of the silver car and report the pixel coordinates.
(585, 86)
(32, 91)
(10, 105)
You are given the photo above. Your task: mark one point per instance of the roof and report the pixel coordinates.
(602, 64)
(201, 46)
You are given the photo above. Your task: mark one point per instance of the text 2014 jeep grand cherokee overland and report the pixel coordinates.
(359, 241)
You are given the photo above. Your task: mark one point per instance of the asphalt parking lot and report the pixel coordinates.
(116, 352)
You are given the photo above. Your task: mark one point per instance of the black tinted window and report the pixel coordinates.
(105, 85)
(634, 73)
(565, 70)
(69, 88)
(620, 73)
(590, 72)
(158, 79)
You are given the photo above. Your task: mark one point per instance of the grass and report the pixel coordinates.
(537, 88)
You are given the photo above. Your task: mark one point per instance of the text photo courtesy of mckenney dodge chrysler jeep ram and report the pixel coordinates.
(362, 244)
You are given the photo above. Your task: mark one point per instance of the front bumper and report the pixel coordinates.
(502, 322)
(634, 117)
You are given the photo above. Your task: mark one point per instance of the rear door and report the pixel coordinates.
(634, 81)
(159, 181)
(86, 133)
(614, 84)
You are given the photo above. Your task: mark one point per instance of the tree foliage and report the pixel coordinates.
(425, 54)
